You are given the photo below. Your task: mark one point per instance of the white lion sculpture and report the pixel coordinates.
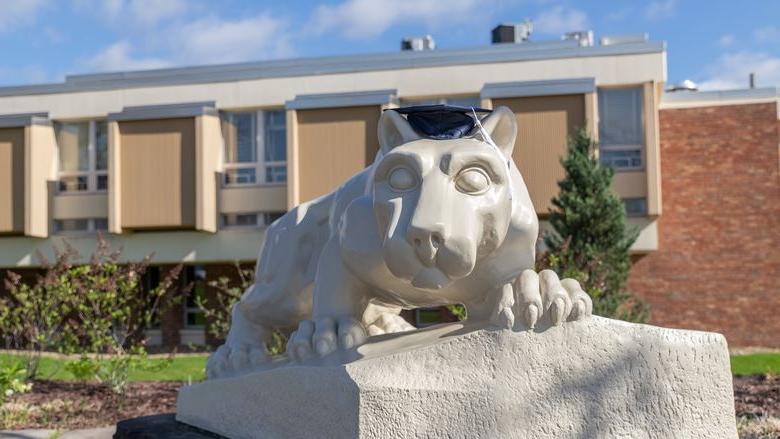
(430, 222)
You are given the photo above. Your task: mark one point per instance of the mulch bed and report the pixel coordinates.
(72, 405)
(757, 395)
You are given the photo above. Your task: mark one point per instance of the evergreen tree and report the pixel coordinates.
(591, 239)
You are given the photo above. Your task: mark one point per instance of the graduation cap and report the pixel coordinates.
(440, 122)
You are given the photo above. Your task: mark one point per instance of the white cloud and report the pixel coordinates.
(18, 13)
(358, 19)
(119, 56)
(726, 40)
(768, 34)
(731, 71)
(558, 20)
(660, 9)
(216, 40)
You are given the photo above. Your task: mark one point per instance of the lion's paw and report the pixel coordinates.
(544, 295)
(229, 359)
(323, 336)
(389, 323)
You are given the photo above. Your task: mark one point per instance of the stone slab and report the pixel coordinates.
(595, 378)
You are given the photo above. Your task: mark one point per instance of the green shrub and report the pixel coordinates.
(13, 379)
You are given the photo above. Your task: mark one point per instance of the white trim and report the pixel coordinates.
(693, 99)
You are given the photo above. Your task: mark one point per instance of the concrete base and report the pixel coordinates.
(596, 378)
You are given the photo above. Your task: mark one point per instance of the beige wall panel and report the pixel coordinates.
(158, 173)
(40, 171)
(74, 206)
(209, 147)
(12, 180)
(630, 184)
(333, 145)
(253, 199)
(544, 125)
(651, 103)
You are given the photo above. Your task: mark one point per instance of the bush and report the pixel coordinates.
(591, 239)
(218, 308)
(13, 378)
(97, 308)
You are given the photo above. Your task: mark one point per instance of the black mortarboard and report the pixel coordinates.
(441, 122)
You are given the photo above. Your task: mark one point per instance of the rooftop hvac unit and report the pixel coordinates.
(686, 85)
(624, 39)
(585, 37)
(512, 33)
(418, 43)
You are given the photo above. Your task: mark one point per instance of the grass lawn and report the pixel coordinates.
(756, 364)
(192, 367)
(182, 368)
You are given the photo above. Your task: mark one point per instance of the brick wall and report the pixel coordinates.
(718, 263)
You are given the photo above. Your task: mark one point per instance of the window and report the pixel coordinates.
(464, 101)
(193, 315)
(621, 133)
(80, 225)
(251, 219)
(255, 147)
(83, 156)
(635, 206)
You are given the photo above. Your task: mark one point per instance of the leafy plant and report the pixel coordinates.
(83, 369)
(37, 317)
(591, 240)
(13, 379)
(98, 308)
(218, 308)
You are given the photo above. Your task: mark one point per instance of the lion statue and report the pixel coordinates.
(431, 222)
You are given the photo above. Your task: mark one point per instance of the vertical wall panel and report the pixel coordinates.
(544, 125)
(12, 180)
(158, 173)
(333, 145)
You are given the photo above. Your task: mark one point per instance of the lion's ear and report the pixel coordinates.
(501, 126)
(394, 130)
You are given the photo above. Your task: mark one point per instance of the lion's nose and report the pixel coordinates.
(426, 243)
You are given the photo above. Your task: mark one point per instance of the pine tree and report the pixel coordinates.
(591, 239)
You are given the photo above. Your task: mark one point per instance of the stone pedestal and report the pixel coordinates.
(596, 378)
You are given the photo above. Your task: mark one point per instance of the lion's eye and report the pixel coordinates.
(472, 181)
(402, 179)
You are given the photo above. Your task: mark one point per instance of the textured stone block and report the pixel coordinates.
(595, 378)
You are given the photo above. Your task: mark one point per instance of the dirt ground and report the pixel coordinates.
(71, 405)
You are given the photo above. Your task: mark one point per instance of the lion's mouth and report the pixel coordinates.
(430, 278)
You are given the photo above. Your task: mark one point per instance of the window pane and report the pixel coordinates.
(239, 137)
(621, 159)
(620, 116)
(71, 225)
(101, 145)
(275, 136)
(270, 217)
(239, 219)
(102, 182)
(73, 184)
(240, 176)
(73, 143)
(635, 206)
(101, 223)
(276, 174)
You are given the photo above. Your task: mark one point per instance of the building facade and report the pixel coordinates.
(192, 163)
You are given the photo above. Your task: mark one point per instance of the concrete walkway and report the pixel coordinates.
(92, 433)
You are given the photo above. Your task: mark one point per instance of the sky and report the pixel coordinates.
(715, 43)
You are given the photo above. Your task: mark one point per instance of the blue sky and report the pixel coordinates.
(715, 43)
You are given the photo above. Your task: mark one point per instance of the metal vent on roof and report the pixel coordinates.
(418, 43)
(585, 37)
(624, 39)
(686, 85)
(512, 33)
